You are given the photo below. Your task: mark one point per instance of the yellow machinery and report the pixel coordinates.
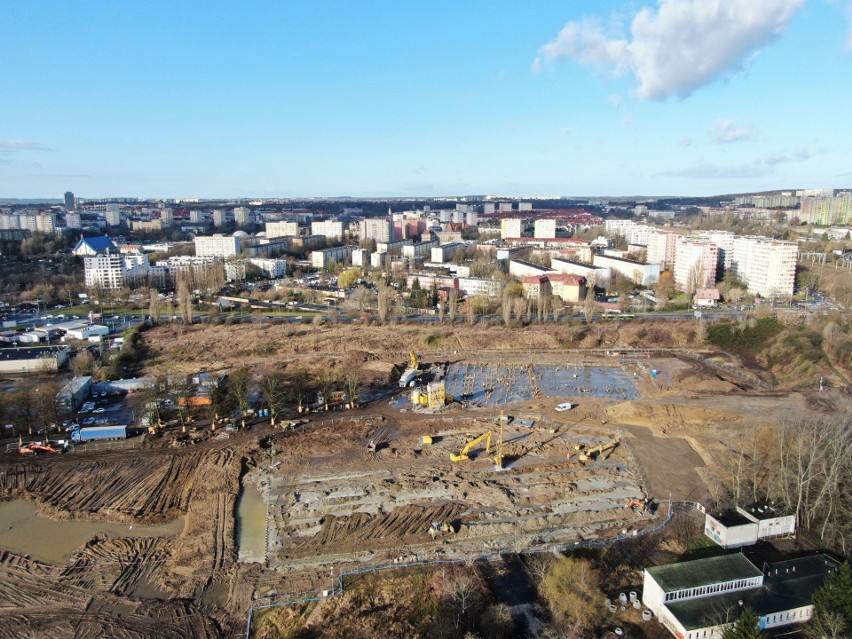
(427, 440)
(498, 458)
(602, 450)
(462, 456)
(434, 397)
(441, 528)
(415, 363)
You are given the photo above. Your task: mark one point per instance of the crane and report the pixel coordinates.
(462, 456)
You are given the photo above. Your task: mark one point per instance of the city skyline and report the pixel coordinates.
(403, 101)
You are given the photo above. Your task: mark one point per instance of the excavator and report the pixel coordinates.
(441, 528)
(639, 506)
(43, 448)
(415, 362)
(462, 456)
(602, 451)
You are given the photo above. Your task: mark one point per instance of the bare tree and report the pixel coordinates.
(471, 312)
(506, 306)
(453, 303)
(240, 385)
(383, 301)
(441, 310)
(184, 295)
(154, 306)
(272, 386)
(352, 379)
(299, 380)
(589, 302)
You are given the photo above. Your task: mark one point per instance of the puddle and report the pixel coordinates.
(24, 531)
(251, 525)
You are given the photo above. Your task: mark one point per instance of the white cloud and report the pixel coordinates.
(21, 145)
(758, 167)
(727, 131)
(677, 47)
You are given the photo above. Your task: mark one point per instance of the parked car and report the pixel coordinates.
(99, 410)
(561, 408)
(88, 421)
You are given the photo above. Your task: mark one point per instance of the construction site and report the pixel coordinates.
(468, 456)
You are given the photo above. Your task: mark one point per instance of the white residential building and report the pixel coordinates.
(114, 271)
(420, 248)
(478, 286)
(767, 267)
(218, 245)
(544, 229)
(167, 217)
(644, 274)
(271, 267)
(694, 599)
(282, 229)
(325, 257)
(598, 274)
(695, 264)
(242, 216)
(218, 218)
(73, 220)
(662, 246)
(379, 229)
(511, 227)
(112, 215)
(745, 526)
(640, 234)
(618, 227)
(332, 229)
(196, 216)
(522, 269)
(445, 252)
(360, 257)
(724, 240)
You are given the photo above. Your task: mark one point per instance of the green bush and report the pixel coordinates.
(754, 336)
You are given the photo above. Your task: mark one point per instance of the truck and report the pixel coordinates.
(97, 433)
(407, 377)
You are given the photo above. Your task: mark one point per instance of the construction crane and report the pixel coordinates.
(498, 458)
(601, 450)
(462, 456)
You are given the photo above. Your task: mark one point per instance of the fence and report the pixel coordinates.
(338, 591)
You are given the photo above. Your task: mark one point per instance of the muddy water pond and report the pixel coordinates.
(24, 531)
(251, 525)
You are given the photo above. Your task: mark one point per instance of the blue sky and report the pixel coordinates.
(580, 97)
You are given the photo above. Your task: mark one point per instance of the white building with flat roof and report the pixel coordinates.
(282, 229)
(644, 274)
(544, 229)
(218, 245)
(511, 227)
(332, 229)
(766, 266)
(325, 257)
(695, 264)
(662, 247)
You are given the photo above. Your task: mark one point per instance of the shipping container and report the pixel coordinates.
(95, 433)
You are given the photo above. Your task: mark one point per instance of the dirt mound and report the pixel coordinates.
(692, 383)
(664, 416)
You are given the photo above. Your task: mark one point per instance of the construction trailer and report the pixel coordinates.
(98, 433)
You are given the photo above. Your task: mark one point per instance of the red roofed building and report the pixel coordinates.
(569, 288)
(535, 286)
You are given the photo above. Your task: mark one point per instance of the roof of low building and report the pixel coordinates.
(98, 244)
(731, 518)
(792, 587)
(703, 572)
(31, 352)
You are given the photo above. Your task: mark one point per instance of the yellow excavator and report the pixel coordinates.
(462, 456)
(603, 451)
(415, 362)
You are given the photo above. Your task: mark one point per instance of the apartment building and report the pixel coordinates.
(825, 211)
(218, 245)
(511, 227)
(767, 267)
(242, 216)
(662, 246)
(695, 264)
(644, 274)
(597, 274)
(332, 229)
(379, 229)
(325, 257)
(112, 215)
(445, 252)
(479, 286)
(282, 229)
(114, 271)
(544, 229)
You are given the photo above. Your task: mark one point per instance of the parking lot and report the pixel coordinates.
(103, 408)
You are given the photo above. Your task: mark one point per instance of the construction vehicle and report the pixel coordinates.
(602, 451)
(427, 440)
(639, 506)
(463, 453)
(43, 448)
(434, 397)
(371, 446)
(415, 361)
(26, 450)
(441, 528)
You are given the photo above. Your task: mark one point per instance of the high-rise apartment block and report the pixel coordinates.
(544, 229)
(112, 214)
(167, 217)
(827, 210)
(282, 229)
(332, 229)
(242, 216)
(695, 264)
(511, 227)
(114, 271)
(70, 201)
(223, 246)
(766, 266)
(379, 229)
(525, 206)
(73, 220)
(661, 248)
(218, 218)
(196, 216)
